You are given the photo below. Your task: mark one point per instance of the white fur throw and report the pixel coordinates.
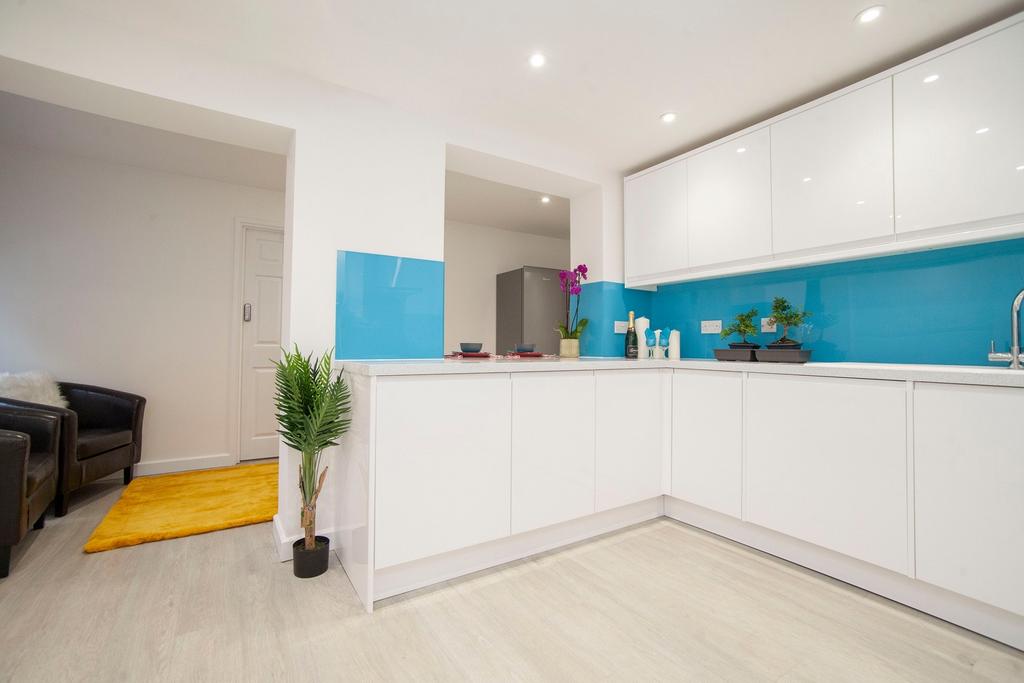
(35, 387)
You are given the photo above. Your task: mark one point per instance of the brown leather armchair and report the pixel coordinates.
(100, 433)
(29, 442)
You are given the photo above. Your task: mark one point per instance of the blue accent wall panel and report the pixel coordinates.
(389, 307)
(602, 304)
(941, 306)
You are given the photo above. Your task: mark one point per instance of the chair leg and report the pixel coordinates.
(60, 505)
(5, 560)
(41, 522)
(128, 475)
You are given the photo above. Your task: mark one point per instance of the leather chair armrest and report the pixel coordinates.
(14, 448)
(41, 426)
(68, 451)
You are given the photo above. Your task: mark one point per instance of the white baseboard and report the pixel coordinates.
(283, 541)
(198, 462)
(987, 620)
(403, 578)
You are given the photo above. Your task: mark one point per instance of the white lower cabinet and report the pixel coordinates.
(969, 491)
(442, 464)
(707, 445)
(552, 448)
(826, 463)
(632, 435)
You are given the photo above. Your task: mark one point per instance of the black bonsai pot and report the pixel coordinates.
(785, 344)
(309, 563)
(744, 345)
(743, 353)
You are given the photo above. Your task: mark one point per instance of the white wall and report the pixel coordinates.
(473, 256)
(122, 276)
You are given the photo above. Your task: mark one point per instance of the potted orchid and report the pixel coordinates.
(571, 282)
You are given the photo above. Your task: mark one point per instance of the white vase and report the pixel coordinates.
(568, 348)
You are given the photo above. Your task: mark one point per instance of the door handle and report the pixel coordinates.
(247, 312)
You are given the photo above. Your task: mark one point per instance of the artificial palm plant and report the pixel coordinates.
(313, 412)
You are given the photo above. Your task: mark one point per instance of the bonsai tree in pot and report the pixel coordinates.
(313, 412)
(742, 324)
(571, 282)
(784, 314)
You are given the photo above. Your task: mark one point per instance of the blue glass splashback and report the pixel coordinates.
(389, 307)
(941, 306)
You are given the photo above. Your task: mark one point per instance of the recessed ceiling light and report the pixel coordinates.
(668, 117)
(981, 130)
(545, 200)
(741, 150)
(807, 179)
(931, 79)
(537, 60)
(860, 202)
(870, 14)
(1021, 167)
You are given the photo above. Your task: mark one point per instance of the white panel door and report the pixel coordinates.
(729, 193)
(707, 439)
(552, 448)
(261, 342)
(969, 492)
(826, 462)
(959, 134)
(442, 464)
(632, 435)
(655, 221)
(832, 172)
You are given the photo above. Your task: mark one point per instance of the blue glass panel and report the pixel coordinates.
(389, 307)
(941, 306)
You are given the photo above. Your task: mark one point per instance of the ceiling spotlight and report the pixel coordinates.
(869, 15)
(1021, 167)
(741, 150)
(545, 200)
(981, 130)
(931, 79)
(668, 117)
(537, 60)
(807, 179)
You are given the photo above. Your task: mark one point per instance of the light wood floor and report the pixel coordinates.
(659, 601)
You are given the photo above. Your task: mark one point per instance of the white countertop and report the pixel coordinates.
(951, 374)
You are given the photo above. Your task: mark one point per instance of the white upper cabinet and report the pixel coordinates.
(832, 172)
(959, 134)
(730, 201)
(655, 222)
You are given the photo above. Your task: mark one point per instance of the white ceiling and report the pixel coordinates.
(476, 201)
(28, 122)
(613, 66)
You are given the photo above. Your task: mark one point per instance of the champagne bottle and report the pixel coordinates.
(631, 341)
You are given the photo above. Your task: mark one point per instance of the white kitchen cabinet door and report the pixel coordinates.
(707, 439)
(832, 172)
(552, 448)
(655, 221)
(959, 134)
(969, 491)
(729, 193)
(442, 464)
(826, 462)
(632, 435)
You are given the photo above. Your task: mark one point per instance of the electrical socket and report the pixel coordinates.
(767, 325)
(710, 326)
(621, 326)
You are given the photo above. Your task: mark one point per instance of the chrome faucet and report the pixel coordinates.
(1015, 357)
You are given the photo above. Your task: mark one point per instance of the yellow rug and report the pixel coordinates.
(188, 503)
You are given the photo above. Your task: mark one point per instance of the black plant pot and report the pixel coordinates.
(744, 345)
(785, 345)
(309, 563)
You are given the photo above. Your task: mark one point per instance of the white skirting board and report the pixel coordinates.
(197, 462)
(283, 541)
(409, 576)
(985, 619)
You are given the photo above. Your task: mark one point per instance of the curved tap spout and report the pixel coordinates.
(1015, 330)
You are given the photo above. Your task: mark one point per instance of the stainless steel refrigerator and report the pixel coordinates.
(530, 306)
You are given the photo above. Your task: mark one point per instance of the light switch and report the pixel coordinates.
(767, 325)
(621, 326)
(710, 326)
